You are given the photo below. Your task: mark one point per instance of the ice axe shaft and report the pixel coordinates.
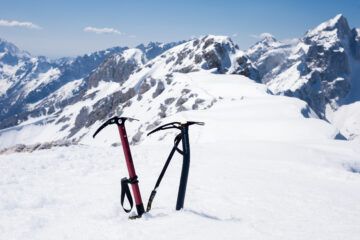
(131, 169)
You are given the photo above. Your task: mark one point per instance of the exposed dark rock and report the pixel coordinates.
(159, 89)
(208, 42)
(198, 58)
(199, 101)
(153, 125)
(64, 127)
(355, 43)
(169, 101)
(170, 59)
(162, 112)
(181, 101)
(37, 146)
(51, 110)
(137, 137)
(212, 61)
(186, 69)
(182, 55)
(80, 121)
(115, 68)
(169, 78)
(181, 108)
(144, 87)
(185, 91)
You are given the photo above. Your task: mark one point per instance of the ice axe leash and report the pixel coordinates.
(183, 137)
(133, 179)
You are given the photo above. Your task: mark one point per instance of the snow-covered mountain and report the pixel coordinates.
(268, 54)
(129, 80)
(322, 68)
(154, 49)
(25, 80)
(34, 86)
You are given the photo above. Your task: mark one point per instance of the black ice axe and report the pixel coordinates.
(183, 137)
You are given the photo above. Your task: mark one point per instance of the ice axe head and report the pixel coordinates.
(176, 125)
(114, 120)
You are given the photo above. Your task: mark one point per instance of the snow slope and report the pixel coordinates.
(263, 167)
(347, 119)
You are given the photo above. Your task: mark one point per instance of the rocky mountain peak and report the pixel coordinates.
(7, 47)
(335, 27)
(10, 54)
(268, 39)
(153, 49)
(217, 53)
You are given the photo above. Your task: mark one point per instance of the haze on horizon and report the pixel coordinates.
(69, 28)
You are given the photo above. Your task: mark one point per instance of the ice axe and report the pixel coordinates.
(133, 179)
(183, 136)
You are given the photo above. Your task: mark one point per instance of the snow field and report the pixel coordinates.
(259, 170)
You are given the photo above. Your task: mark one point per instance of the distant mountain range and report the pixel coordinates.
(70, 95)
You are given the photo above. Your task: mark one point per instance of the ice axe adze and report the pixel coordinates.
(120, 122)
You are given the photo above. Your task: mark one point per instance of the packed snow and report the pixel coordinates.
(263, 167)
(347, 119)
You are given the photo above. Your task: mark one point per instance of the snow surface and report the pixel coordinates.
(347, 120)
(259, 170)
(133, 53)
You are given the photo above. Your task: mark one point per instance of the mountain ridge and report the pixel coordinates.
(309, 68)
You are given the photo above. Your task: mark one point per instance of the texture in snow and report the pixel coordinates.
(263, 167)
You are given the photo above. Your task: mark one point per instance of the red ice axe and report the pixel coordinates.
(120, 122)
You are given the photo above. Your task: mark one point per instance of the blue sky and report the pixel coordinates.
(62, 23)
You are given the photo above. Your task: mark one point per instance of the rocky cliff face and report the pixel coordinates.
(320, 68)
(214, 53)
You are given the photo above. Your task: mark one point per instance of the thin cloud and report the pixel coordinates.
(5, 23)
(235, 35)
(102, 30)
(262, 35)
